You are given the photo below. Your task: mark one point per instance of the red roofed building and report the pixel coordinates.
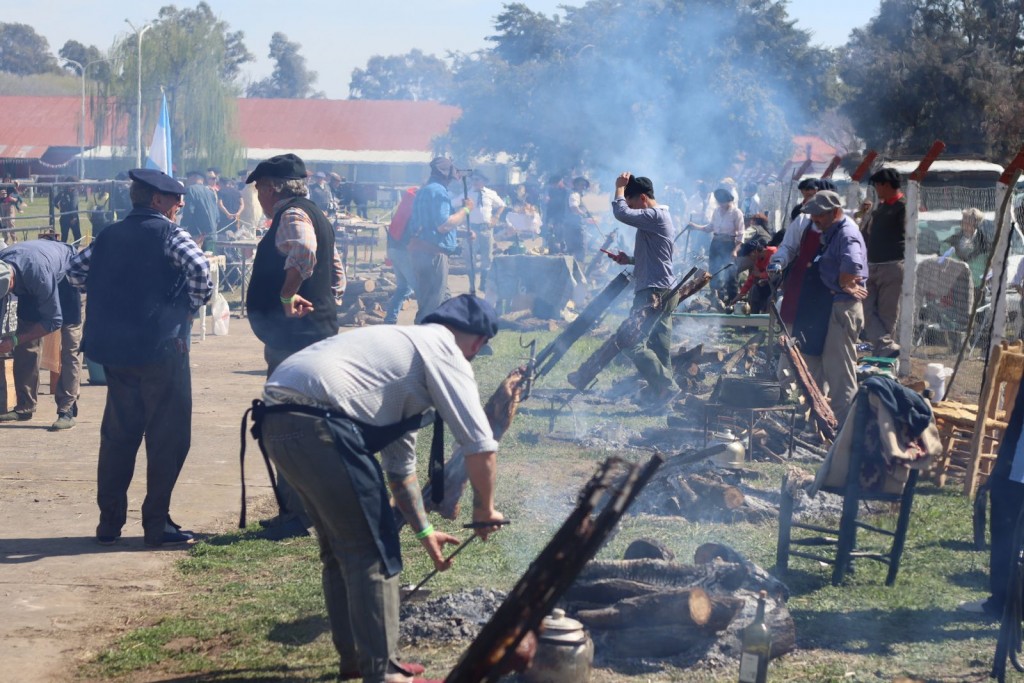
(369, 141)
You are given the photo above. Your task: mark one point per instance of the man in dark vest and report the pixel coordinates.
(144, 278)
(297, 279)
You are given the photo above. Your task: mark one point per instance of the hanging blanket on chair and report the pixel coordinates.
(900, 435)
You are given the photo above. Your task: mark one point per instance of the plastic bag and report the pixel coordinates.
(221, 314)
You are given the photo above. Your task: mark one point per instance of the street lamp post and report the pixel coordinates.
(138, 98)
(82, 68)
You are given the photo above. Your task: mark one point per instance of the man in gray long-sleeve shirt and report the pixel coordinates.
(635, 206)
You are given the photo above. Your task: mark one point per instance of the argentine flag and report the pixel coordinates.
(159, 156)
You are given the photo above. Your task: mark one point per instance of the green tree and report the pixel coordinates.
(290, 78)
(412, 76)
(85, 55)
(689, 89)
(923, 70)
(23, 51)
(195, 58)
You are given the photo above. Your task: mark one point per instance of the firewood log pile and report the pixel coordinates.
(365, 301)
(660, 608)
(692, 486)
(696, 364)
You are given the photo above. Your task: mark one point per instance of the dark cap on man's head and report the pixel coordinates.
(752, 245)
(808, 184)
(158, 180)
(889, 176)
(825, 184)
(724, 195)
(193, 174)
(281, 167)
(580, 180)
(825, 201)
(442, 166)
(637, 185)
(466, 313)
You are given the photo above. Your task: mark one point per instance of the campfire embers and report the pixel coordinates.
(663, 609)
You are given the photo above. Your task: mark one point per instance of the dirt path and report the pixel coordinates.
(63, 596)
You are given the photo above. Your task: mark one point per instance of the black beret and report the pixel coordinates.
(752, 245)
(888, 176)
(466, 313)
(825, 184)
(637, 186)
(281, 167)
(158, 180)
(583, 181)
(808, 184)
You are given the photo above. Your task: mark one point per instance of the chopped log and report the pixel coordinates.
(359, 287)
(648, 549)
(688, 607)
(728, 497)
(742, 352)
(687, 355)
(607, 591)
(783, 631)
(688, 498)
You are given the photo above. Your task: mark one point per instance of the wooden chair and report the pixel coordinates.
(844, 538)
(955, 422)
(997, 398)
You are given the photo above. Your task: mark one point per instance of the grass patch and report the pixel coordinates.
(252, 610)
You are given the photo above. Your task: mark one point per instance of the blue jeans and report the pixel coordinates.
(403, 278)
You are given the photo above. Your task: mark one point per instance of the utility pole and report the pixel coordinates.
(82, 68)
(138, 92)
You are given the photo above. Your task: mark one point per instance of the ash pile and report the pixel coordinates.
(645, 611)
(453, 618)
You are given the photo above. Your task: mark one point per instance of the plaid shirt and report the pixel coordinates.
(182, 252)
(296, 241)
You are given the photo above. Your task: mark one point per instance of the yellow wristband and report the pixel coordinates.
(466, 209)
(429, 529)
(288, 300)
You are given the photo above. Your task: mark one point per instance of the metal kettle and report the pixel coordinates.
(565, 653)
(734, 452)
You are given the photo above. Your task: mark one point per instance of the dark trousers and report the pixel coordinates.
(721, 256)
(70, 222)
(1006, 499)
(291, 503)
(144, 401)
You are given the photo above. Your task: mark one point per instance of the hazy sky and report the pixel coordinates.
(340, 35)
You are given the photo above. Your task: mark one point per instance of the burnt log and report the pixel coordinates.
(648, 549)
(690, 607)
(605, 592)
(723, 495)
(745, 351)
(654, 572)
(653, 641)
(760, 579)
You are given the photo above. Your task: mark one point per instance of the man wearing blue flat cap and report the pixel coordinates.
(145, 278)
(328, 409)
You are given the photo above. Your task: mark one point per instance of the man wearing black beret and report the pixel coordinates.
(329, 409)
(145, 278)
(297, 280)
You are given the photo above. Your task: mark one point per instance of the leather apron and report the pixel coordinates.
(356, 444)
